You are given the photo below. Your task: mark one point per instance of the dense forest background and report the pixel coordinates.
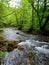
(26, 15)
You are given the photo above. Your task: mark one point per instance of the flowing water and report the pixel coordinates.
(30, 43)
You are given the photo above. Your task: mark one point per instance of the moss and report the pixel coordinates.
(11, 45)
(2, 53)
(30, 54)
(8, 45)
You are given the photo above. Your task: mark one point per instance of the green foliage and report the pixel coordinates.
(47, 26)
(3, 11)
(32, 14)
(2, 53)
(6, 20)
(24, 16)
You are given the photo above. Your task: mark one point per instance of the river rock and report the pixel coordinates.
(7, 45)
(2, 44)
(1, 30)
(20, 47)
(11, 45)
(17, 32)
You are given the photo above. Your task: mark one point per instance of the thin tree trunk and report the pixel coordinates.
(45, 23)
(42, 17)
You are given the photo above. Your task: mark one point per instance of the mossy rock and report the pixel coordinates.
(2, 43)
(1, 30)
(17, 32)
(2, 46)
(8, 45)
(1, 39)
(30, 54)
(46, 61)
(21, 48)
(11, 41)
(11, 45)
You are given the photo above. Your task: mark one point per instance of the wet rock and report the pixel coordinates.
(11, 45)
(2, 44)
(8, 45)
(46, 61)
(20, 47)
(1, 30)
(30, 54)
(11, 41)
(3, 48)
(30, 61)
(1, 39)
(43, 38)
(17, 32)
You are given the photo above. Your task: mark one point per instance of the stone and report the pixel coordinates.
(17, 32)
(21, 48)
(1, 30)
(30, 54)
(11, 45)
(8, 45)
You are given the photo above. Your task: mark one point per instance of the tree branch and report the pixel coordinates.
(9, 14)
(44, 9)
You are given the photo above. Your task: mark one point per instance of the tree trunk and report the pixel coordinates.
(45, 23)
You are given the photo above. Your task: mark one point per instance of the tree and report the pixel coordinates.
(40, 7)
(6, 2)
(26, 15)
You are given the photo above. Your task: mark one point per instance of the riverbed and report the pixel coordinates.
(31, 43)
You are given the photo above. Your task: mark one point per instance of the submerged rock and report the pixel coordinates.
(46, 61)
(17, 32)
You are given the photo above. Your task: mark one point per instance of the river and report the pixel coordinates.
(30, 43)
